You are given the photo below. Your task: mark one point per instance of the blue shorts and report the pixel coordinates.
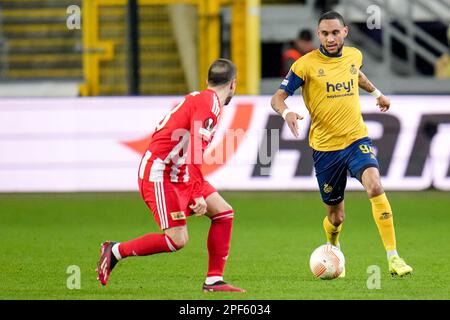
(332, 166)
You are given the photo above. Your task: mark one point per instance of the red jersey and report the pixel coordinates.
(177, 146)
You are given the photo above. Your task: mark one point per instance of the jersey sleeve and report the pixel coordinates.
(360, 59)
(295, 78)
(204, 119)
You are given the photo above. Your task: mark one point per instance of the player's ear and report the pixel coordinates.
(233, 84)
(346, 29)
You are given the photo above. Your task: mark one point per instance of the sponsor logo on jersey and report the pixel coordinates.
(321, 73)
(353, 69)
(347, 86)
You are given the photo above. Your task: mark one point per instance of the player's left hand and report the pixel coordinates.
(199, 207)
(384, 103)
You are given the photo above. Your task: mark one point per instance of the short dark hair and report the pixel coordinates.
(221, 71)
(305, 34)
(331, 15)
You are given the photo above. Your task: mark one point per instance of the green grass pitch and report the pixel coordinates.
(273, 236)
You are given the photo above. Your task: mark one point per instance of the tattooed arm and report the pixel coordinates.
(365, 83)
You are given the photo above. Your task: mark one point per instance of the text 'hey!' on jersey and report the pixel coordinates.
(331, 94)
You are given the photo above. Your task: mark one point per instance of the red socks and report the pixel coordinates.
(219, 239)
(146, 245)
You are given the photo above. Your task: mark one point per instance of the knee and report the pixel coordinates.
(374, 189)
(179, 239)
(228, 207)
(224, 207)
(225, 210)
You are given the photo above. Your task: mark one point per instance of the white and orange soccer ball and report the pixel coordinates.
(327, 262)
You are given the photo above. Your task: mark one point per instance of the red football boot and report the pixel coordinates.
(106, 263)
(221, 286)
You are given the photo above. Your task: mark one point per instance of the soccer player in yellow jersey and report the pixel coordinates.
(330, 77)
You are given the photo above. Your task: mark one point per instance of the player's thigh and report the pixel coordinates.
(331, 175)
(167, 201)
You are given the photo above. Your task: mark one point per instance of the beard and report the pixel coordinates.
(338, 51)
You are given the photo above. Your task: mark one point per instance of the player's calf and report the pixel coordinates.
(336, 214)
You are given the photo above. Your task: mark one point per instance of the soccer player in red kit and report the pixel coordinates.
(172, 185)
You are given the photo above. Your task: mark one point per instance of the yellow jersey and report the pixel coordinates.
(331, 95)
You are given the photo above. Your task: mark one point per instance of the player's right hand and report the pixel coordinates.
(384, 103)
(291, 120)
(199, 207)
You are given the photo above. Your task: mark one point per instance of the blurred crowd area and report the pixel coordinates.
(40, 41)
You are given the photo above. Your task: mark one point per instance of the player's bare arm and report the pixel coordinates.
(382, 101)
(364, 83)
(279, 105)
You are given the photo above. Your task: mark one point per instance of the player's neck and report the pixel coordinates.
(221, 92)
(331, 55)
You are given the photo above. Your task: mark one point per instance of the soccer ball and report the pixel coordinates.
(327, 262)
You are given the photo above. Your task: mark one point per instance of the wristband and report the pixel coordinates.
(376, 93)
(285, 112)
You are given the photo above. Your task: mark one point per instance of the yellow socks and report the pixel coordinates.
(382, 214)
(331, 231)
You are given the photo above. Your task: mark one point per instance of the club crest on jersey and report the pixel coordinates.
(178, 215)
(353, 69)
(209, 124)
(321, 73)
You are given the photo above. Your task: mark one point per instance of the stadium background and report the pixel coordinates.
(83, 84)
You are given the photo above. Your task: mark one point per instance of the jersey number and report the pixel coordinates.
(365, 148)
(167, 117)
